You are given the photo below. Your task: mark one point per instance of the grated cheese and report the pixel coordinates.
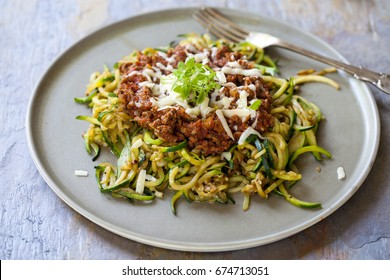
(234, 64)
(242, 102)
(225, 125)
(81, 173)
(220, 76)
(243, 113)
(139, 188)
(340, 173)
(247, 133)
(239, 71)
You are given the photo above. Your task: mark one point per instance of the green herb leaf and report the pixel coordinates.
(194, 81)
(108, 79)
(255, 105)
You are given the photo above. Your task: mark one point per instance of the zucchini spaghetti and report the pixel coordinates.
(203, 119)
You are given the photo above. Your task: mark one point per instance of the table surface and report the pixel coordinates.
(36, 224)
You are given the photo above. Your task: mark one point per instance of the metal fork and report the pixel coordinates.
(221, 27)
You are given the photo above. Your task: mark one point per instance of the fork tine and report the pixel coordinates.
(219, 25)
(235, 28)
(215, 29)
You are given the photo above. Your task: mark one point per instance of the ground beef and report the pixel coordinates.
(174, 125)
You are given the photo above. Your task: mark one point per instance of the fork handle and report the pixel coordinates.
(380, 80)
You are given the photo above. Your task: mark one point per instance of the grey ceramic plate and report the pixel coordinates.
(350, 132)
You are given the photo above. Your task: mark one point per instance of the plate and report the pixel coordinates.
(350, 132)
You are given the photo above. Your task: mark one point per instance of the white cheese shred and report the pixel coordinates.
(81, 173)
(247, 133)
(139, 188)
(340, 173)
(225, 125)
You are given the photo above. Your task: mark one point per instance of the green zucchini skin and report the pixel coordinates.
(175, 148)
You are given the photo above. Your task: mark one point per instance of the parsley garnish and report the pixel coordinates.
(194, 81)
(255, 105)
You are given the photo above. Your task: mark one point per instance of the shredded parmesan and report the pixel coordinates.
(340, 173)
(221, 77)
(234, 64)
(238, 71)
(81, 173)
(225, 125)
(242, 102)
(247, 133)
(139, 188)
(243, 113)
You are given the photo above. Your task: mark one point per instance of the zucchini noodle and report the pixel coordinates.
(259, 155)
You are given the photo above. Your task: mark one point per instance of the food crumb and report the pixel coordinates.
(318, 169)
(81, 173)
(340, 173)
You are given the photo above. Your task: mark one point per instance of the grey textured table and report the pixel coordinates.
(36, 224)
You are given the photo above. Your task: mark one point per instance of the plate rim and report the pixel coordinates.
(215, 247)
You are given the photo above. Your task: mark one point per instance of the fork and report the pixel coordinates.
(222, 27)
